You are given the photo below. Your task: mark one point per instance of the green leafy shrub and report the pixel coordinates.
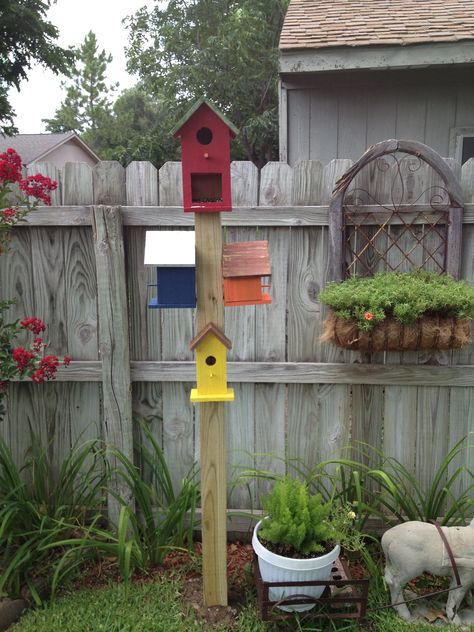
(39, 509)
(405, 296)
(163, 518)
(304, 521)
(158, 520)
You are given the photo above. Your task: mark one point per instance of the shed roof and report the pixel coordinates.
(210, 328)
(36, 147)
(246, 258)
(313, 24)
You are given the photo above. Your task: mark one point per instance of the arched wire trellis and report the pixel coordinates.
(362, 233)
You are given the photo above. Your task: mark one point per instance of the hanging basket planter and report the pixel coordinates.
(410, 311)
(431, 333)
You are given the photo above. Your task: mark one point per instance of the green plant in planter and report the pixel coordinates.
(404, 296)
(302, 521)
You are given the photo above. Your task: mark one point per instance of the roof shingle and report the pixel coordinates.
(328, 23)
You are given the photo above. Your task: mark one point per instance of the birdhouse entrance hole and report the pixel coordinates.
(206, 187)
(210, 360)
(204, 135)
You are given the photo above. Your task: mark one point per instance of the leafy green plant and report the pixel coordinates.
(39, 509)
(158, 519)
(304, 521)
(404, 296)
(162, 518)
(395, 494)
(389, 490)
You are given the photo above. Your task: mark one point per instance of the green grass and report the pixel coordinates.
(147, 607)
(158, 607)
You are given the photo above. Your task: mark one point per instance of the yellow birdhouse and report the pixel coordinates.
(211, 368)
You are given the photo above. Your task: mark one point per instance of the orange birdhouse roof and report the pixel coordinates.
(210, 328)
(246, 258)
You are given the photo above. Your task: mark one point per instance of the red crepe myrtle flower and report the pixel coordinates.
(38, 377)
(67, 360)
(8, 215)
(22, 358)
(10, 166)
(34, 324)
(49, 365)
(37, 344)
(39, 187)
(368, 315)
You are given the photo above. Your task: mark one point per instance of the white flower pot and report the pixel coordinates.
(276, 568)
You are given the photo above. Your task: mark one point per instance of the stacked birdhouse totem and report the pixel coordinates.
(229, 274)
(205, 135)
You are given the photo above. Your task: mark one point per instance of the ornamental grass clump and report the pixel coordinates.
(399, 310)
(302, 524)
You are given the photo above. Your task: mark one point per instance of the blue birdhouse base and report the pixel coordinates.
(176, 287)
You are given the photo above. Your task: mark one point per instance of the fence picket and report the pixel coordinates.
(77, 183)
(177, 327)
(81, 305)
(109, 183)
(113, 344)
(51, 171)
(171, 186)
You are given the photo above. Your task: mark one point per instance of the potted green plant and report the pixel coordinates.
(401, 311)
(299, 540)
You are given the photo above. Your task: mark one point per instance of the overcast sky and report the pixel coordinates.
(41, 94)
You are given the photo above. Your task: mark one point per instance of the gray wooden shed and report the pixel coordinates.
(356, 72)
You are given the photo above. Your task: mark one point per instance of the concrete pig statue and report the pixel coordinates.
(412, 548)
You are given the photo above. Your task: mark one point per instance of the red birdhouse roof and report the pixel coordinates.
(246, 258)
(210, 328)
(202, 102)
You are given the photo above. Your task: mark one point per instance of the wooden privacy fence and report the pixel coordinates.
(79, 266)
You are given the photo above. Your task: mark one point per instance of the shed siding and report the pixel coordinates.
(339, 118)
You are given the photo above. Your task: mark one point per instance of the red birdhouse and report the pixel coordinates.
(205, 154)
(243, 266)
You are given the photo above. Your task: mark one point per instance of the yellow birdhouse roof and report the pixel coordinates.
(210, 328)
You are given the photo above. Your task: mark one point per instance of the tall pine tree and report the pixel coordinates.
(86, 108)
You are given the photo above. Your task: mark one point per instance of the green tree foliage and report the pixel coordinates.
(26, 37)
(225, 50)
(86, 108)
(140, 129)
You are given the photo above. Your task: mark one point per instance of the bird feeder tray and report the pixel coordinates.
(243, 265)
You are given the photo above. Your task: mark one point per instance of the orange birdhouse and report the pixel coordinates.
(211, 368)
(243, 266)
(205, 158)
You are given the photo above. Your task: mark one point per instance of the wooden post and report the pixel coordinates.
(210, 308)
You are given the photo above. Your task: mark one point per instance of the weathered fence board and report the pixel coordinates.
(295, 396)
(113, 343)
